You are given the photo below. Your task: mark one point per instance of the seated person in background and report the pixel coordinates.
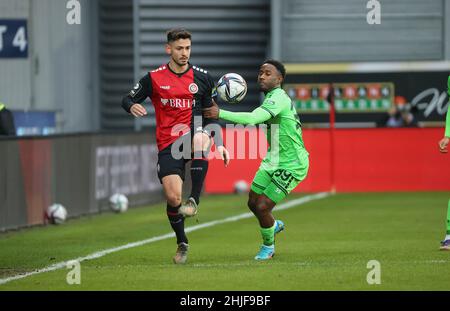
(394, 118)
(401, 114)
(409, 117)
(6, 121)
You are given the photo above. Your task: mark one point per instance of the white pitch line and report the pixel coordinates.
(63, 264)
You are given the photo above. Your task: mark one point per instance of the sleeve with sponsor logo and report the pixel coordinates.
(272, 105)
(138, 93)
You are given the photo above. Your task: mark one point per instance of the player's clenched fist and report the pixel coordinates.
(138, 110)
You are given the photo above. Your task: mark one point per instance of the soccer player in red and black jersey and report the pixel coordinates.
(179, 92)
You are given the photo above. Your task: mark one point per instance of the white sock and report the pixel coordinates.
(447, 237)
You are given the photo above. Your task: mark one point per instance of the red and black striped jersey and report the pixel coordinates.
(177, 98)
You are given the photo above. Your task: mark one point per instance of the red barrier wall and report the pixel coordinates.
(35, 156)
(404, 159)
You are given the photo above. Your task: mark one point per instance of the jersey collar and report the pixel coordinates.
(181, 73)
(272, 90)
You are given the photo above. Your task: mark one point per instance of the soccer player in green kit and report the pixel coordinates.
(443, 143)
(287, 161)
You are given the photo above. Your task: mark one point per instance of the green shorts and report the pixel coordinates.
(276, 184)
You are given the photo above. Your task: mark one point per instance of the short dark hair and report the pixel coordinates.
(276, 64)
(178, 33)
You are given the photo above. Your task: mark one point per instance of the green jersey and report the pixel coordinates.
(284, 132)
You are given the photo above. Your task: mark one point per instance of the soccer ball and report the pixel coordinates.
(56, 214)
(118, 203)
(232, 88)
(240, 187)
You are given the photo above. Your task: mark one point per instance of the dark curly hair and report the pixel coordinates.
(276, 64)
(178, 33)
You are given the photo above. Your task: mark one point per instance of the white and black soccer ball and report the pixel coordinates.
(232, 88)
(56, 214)
(241, 186)
(118, 203)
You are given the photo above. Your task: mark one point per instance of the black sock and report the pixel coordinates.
(177, 222)
(199, 168)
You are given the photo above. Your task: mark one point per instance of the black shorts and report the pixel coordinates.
(168, 165)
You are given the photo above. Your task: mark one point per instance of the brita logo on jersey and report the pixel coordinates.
(178, 102)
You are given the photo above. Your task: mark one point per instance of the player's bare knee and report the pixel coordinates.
(262, 205)
(197, 142)
(201, 142)
(260, 208)
(207, 141)
(252, 199)
(251, 205)
(173, 200)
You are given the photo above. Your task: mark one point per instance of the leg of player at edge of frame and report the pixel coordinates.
(445, 244)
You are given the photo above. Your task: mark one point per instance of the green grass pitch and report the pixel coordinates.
(326, 246)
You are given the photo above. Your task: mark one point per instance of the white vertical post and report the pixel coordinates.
(275, 29)
(446, 32)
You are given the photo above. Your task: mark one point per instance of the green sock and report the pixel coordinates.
(448, 218)
(268, 235)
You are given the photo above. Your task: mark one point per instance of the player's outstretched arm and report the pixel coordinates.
(257, 116)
